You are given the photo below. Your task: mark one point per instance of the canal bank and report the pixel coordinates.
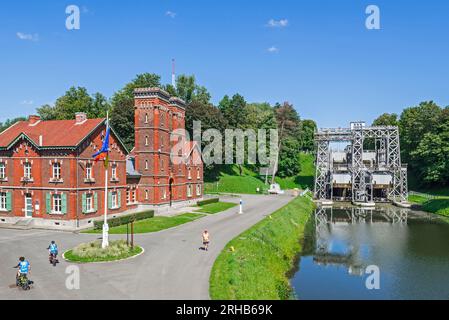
(408, 248)
(255, 264)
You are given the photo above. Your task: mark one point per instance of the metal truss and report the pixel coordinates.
(388, 155)
(322, 176)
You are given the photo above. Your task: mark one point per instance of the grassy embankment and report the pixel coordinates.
(227, 179)
(433, 200)
(255, 264)
(154, 224)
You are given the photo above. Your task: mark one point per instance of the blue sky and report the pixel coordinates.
(322, 58)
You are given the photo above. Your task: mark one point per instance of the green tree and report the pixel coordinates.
(188, 90)
(76, 99)
(386, 119)
(234, 110)
(308, 133)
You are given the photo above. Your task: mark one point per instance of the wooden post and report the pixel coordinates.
(132, 233)
(127, 234)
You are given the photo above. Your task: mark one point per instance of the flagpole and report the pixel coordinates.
(105, 242)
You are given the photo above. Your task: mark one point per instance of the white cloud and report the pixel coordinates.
(28, 37)
(277, 23)
(171, 14)
(273, 49)
(27, 102)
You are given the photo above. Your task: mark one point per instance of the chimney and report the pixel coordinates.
(41, 138)
(80, 117)
(33, 119)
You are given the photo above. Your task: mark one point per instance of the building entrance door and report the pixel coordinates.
(28, 206)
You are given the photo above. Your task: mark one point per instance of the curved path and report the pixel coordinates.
(172, 267)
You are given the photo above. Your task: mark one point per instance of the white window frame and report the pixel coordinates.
(114, 200)
(189, 176)
(27, 170)
(90, 206)
(89, 171)
(114, 172)
(146, 164)
(56, 206)
(146, 141)
(146, 195)
(198, 173)
(198, 190)
(56, 171)
(3, 197)
(189, 191)
(2, 170)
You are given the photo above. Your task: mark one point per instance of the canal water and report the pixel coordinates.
(382, 253)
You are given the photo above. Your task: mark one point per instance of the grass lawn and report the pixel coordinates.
(438, 206)
(254, 265)
(216, 207)
(92, 252)
(235, 184)
(154, 224)
(417, 199)
(304, 179)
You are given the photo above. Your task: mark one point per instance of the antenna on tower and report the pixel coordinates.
(173, 75)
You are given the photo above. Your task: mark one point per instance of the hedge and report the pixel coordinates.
(118, 221)
(207, 201)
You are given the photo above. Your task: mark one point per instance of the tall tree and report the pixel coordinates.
(308, 133)
(234, 110)
(188, 90)
(386, 119)
(76, 99)
(289, 126)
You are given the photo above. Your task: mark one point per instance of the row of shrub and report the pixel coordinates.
(207, 201)
(118, 221)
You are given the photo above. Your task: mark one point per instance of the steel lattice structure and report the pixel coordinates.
(388, 160)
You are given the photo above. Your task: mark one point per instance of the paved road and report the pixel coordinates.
(172, 267)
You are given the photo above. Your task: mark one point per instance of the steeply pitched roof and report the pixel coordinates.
(52, 134)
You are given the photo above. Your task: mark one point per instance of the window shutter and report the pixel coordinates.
(8, 201)
(84, 203)
(48, 202)
(64, 203)
(96, 201)
(119, 198)
(110, 200)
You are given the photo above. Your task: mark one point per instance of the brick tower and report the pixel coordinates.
(156, 116)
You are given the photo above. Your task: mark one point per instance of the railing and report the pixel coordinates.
(424, 195)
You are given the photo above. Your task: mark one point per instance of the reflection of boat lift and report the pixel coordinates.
(324, 219)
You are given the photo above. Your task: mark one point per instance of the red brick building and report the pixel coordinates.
(47, 173)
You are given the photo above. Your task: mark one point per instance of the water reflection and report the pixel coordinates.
(410, 248)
